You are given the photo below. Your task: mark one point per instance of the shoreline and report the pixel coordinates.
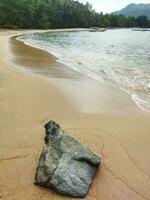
(118, 132)
(69, 74)
(133, 96)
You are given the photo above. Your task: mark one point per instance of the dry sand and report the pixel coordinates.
(102, 117)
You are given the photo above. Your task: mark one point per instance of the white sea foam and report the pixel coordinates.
(118, 57)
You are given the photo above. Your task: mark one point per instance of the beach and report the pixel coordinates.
(102, 117)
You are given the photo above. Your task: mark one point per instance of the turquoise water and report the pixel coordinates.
(118, 57)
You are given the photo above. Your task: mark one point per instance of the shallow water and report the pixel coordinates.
(118, 57)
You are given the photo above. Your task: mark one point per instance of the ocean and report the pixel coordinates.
(120, 57)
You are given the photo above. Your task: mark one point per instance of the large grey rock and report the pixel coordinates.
(65, 165)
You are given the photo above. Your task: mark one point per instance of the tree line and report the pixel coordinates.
(47, 14)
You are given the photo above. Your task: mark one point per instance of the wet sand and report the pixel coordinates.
(102, 117)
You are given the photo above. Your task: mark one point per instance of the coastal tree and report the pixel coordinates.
(142, 21)
(60, 14)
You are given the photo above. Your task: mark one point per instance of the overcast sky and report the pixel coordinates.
(111, 5)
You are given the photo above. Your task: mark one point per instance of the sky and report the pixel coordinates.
(108, 6)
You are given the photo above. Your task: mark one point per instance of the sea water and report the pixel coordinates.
(120, 57)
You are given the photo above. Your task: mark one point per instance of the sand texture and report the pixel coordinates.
(101, 117)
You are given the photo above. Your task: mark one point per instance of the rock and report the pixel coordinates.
(65, 165)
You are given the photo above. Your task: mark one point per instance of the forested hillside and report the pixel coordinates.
(135, 10)
(59, 14)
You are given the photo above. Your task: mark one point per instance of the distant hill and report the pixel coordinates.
(135, 10)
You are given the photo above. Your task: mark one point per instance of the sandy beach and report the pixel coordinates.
(34, 89)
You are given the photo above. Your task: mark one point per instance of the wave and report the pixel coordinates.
(102, 60)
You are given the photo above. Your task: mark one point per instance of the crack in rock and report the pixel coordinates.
(65, 165)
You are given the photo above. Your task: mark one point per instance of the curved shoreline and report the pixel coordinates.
(118, 133)
(133, 97)
(106, 92)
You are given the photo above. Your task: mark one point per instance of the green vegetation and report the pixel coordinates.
(60, 14)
